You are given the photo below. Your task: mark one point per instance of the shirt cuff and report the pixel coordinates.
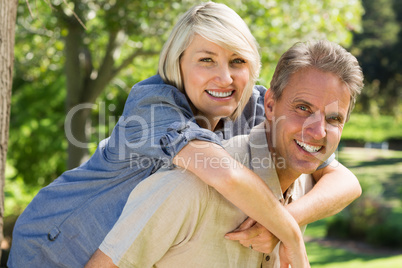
(179, 134)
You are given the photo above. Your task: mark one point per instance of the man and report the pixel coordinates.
(173, 219)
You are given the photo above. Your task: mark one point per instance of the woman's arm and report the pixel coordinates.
(336, 187)
(244, 189)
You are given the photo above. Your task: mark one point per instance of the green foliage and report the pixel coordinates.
(330, 257)
(17, 194)
(359, 219)
(367, 128)
(377, 48)
(37, 145)
(278, 24)
(380, 174)
(375, 217)
(367, 219)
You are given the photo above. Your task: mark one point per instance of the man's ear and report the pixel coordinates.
(269, 103)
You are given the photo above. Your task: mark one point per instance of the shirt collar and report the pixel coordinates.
(263, 165)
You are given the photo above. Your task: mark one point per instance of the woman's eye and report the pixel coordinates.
(206, 60)
(238, 61)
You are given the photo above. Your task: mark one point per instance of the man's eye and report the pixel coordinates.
(334, 119)
(303, 108)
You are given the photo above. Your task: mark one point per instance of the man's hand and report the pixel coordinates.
(251, 233)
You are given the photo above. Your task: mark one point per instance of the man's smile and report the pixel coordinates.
(308, 148)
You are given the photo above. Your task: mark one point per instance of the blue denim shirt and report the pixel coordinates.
(67, 220)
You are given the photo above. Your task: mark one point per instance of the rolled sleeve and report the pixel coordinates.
(157, 123)
(180, 134)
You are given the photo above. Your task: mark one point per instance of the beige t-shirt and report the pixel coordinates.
(173, 219)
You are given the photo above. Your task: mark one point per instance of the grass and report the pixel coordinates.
(367, 128)
(380, 174)
(323, 256)
(329, 257)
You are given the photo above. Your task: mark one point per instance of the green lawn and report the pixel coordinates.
(380, 173)
(369, 128)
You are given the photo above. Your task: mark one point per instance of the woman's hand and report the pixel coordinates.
(251, 233)
(295, 259)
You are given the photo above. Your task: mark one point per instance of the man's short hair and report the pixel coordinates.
(325, 56)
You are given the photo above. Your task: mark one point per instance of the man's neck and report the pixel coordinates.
(286, 177)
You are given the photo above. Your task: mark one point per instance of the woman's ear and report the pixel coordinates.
(269, 103)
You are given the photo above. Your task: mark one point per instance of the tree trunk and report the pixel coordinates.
(76, 117)
(8, 15)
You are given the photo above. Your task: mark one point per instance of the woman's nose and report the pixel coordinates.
(224, 76)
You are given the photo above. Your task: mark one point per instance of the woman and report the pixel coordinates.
(67, 220)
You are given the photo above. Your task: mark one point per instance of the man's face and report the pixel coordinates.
(306, 122)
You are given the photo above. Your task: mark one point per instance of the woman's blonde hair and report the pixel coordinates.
(220, 25)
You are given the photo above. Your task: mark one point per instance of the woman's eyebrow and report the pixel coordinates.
(207, 52)
(212, 53)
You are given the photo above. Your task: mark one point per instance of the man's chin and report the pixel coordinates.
(309, 167)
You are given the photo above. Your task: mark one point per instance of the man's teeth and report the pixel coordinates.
(220, 94)
(308, 148)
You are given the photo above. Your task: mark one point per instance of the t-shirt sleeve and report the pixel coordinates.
(157, 122)
(161, 213)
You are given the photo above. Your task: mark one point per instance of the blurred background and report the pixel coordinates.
(91, 52)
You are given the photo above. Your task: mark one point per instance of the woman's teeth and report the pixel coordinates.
(220, 94)
(308, 148)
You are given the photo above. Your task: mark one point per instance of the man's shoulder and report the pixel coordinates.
(179, 181)
(239, 148)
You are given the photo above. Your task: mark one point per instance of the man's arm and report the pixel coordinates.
(246, 190)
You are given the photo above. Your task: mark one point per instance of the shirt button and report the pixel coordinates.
(53, 234)
(267, 258)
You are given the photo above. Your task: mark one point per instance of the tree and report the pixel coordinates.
(8, 13)
(84, 80)
(378, 50)
(87, 51)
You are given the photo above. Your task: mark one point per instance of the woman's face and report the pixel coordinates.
(214, 79)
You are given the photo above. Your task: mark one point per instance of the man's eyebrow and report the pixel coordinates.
(297, 100)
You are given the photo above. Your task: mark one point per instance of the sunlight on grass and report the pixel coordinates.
(376, 129)
(380, 174)
(328, 257)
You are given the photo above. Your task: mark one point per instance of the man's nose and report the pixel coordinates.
(315, 126)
